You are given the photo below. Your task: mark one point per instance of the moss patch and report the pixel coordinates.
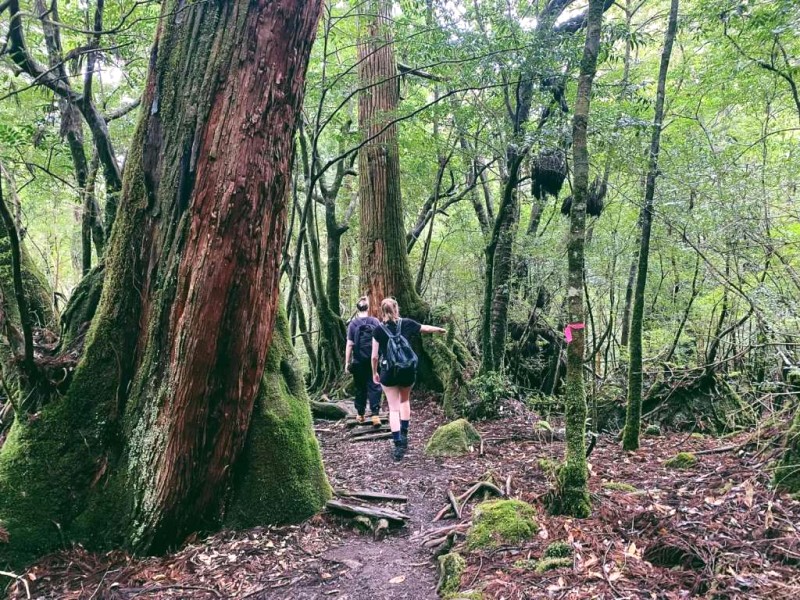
(451, 567)
(548, 465)
(453, 439)
(549, 564)
(558, 550)
(499, 522)
(682, 460)
(280, 478)
(618, 486)
(653, 430)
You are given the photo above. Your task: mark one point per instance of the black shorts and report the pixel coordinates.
(398, 380)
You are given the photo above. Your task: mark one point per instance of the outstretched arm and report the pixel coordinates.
(431, 329)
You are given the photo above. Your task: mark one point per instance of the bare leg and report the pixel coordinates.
(395, 406)
(405, 403)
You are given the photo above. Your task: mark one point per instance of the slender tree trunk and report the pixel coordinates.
(148, 439)
(384, 260)
(633, 417)
(572, 492)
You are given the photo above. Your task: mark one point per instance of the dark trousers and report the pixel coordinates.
(366, 388)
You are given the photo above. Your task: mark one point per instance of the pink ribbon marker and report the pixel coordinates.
(570, 328)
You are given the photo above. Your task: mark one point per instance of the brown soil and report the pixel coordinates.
(714, 531)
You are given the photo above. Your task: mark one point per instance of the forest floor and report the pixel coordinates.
(715, 530)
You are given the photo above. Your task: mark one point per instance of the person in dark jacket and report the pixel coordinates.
(396, 386)
(357, 361)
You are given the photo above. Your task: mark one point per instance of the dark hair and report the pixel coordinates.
(362, 304)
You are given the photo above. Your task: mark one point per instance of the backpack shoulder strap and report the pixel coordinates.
(389, 333)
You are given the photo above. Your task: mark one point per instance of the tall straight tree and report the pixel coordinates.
(384, 259)
(177, 416)
(630, 440)
(571, 495)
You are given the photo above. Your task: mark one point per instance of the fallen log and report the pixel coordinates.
(371, 437)
(368, 495)
(373, 512)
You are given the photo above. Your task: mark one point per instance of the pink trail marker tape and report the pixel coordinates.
(570, 328)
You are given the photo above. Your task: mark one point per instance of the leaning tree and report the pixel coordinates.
(185, 411)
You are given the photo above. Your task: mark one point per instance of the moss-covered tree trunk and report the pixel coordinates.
(141, 450)
(572, 492)
(633, 417)
(384, 260)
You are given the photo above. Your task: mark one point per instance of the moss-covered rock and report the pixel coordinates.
(653, 430)
(500, 522)
(558, 550)
(618, 486)
(549, 564)
(328, 411)
(682, 460)
(453, 439)
(281, 447)
(451, 567)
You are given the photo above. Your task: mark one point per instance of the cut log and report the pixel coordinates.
(371, 437)
(368, 495)
(381, 529)
(373, 512)
(327, 411)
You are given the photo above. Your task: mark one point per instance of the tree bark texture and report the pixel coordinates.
(571, 496)
(384, 261)
(145, 443)
(633, 417)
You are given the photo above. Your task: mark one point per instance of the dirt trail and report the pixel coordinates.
(397, 567)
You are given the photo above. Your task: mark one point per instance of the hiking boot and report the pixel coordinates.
(404, 441)
(376, 421)
(359, 419)
(399, 452)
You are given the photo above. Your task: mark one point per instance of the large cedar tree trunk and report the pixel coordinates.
(571, 496)
(148, 444)
(630, 440)
(384, 260)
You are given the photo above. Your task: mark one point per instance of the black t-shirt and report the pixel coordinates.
(409, 329)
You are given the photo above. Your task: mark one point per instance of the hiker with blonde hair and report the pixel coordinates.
(394, 367)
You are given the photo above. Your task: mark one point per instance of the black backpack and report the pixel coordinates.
(362, 344)
(399, 362)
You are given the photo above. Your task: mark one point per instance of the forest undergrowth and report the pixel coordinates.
(712, 529)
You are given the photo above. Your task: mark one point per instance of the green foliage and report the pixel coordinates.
(453, 439)
(487, 392)
(501, 522)
(682, 460)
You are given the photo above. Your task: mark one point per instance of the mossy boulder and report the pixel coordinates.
(549, 564)
(653, 430)
(328, 411)
(682, 460)
(558, 550)
(500, 522)
(453, 439)
(451, 567)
